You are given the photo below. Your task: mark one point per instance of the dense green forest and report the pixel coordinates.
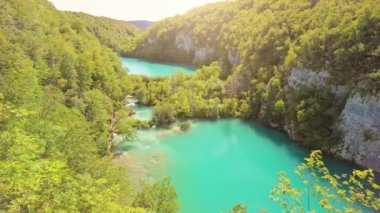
(337, 36)
(61, 100)
(257, 45)
(120, 36)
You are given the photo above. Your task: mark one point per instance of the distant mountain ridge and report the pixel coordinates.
(143, 24)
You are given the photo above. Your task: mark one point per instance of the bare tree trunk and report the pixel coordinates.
(111, 130)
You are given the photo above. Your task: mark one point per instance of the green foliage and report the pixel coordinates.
(50, 163)
(164, 115)
(313, 113)
(159, 197)
(126, 127)
(368, 135)
(139, 124)
(203, 25)
(239, 208)
(287, 196)
(274, 33)
(374, 79)
(185, 126)
(201, 95)
(329, 189)
(61, 101)
(120, 36)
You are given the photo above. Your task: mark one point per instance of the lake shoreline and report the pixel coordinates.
(216, 151)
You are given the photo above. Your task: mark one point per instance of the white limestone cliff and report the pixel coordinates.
(360, 124)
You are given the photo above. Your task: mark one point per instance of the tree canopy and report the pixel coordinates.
(120, 36)
(61, 100)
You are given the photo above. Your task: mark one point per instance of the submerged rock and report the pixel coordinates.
(146, 165)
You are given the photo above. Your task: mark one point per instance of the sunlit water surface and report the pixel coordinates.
(142, 67)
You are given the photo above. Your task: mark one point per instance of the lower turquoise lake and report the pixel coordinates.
(142, 67)
(216, 164)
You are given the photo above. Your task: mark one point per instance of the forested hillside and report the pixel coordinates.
(310, 68)
(336, 36)
(120, 36)
(61, 101)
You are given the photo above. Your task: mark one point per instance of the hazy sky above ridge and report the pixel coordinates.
(152, 10)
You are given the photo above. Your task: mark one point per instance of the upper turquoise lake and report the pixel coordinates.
(148, 68)
(217, 164)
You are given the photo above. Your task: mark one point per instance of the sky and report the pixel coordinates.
(152, 10)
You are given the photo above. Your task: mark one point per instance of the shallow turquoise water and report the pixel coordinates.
(141, 67)
(220, 163)
(142, 112)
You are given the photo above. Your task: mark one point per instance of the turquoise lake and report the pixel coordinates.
(142, 67)
(220, 163)
(142, 112)
(216, 164)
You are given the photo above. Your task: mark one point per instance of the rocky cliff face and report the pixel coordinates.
(304, 77)
(360, 123)
(203, 54)
(234, 58)
(183, 41)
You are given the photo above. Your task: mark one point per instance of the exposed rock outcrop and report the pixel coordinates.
(151, 40)
(319, 80)
(204, 53)
(304, 77)
(361, 130)
(234, 58)
(184, 41)
(359, 123)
